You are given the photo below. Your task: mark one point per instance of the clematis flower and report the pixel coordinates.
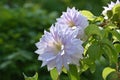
(75, 20)
(59, 48)
(110, 7)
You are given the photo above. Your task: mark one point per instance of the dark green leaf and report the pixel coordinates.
(94, 51)
(110, 50)
(117, 47)
(73, 73)
(113, 76)
(109, 13)
(93, 30)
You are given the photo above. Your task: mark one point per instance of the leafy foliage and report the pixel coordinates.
(20, 28)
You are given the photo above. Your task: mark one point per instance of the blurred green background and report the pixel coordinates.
(22, 22)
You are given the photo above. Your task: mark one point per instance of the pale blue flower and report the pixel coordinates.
(59, 48)
(109, 7)
(74, 19)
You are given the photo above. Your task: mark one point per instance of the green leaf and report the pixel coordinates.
(110, 50)
(94, 51)
(88, 63)
(96, 68)
(64, 70)
(35, 77)
(92, 68)
(116, 12)
(5, 64)
(108, 54)
(93, 30)
(54, 74)
(115, 17)
(73, 73)
(97, 75)
(83, 65)
(116, 9)
(113, 76)
(106, 72)
(88, 14)
(117, 46)
(99, 19)
(109, 13)
(116, 34)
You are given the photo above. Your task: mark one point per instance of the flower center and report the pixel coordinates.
(59, 47)
(71, 23)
